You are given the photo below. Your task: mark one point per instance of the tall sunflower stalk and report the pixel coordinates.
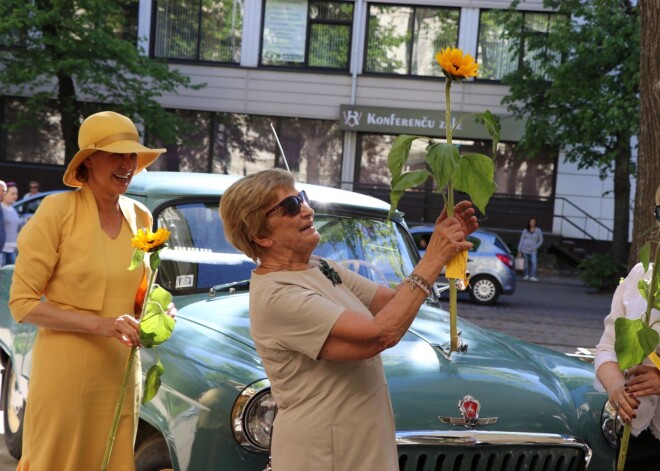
(470, 173)
(155, 325)
(635, 339)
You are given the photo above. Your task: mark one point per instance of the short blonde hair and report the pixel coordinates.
(657, 195)
(243, 211)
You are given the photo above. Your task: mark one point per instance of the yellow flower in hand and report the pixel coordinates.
(455, 65)
(148, 241)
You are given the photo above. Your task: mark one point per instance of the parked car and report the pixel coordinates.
(490, 264)
(504, 404)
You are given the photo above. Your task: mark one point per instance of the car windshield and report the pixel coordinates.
(199, 257)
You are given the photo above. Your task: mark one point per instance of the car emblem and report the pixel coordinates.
(469, 407)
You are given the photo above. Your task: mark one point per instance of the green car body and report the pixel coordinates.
(214, 409)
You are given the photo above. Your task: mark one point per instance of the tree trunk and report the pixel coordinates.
(619, 250)
(70, 117)
(648, 159)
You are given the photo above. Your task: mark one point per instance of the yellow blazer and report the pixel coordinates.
(57, 253)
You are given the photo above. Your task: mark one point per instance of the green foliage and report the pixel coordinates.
(69, 51)
(600, 271)
(152, 382)
(471, 173)
(156, 326)
(581, 93)
(629, 351)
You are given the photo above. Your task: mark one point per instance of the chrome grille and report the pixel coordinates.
(425, 458)
(476, 450)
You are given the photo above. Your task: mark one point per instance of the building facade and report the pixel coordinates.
(336, 81)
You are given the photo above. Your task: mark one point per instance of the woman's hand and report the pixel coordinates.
(171, 310)
(448, 239)
(124, 328)
(642, 381)
(625, 404)
(464, 213)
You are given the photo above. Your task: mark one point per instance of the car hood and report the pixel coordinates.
(526, 387)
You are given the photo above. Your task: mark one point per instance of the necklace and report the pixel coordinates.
(329, 272)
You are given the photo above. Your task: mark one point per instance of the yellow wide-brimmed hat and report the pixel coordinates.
(110, 132)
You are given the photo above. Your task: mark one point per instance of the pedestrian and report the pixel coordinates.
(3, 236)
(531, 239)
(319, 328)
(72, 281)
(11, 223)
(33, 189)
(635, 393)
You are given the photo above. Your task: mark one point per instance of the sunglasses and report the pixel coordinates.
(657, 212)
(290, 204)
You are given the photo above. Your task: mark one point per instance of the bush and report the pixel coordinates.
(601, 272)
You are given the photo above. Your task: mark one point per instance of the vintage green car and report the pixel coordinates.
(501, 404)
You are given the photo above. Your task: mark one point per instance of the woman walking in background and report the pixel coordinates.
(531, 240)
(11, 223)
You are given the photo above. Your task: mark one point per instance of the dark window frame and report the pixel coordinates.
(523, 34)
(410, 46)
(198, 45)
(310, 22)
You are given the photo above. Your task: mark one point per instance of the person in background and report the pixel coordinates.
(33, 189)
(72, 281)
(319, 328)
(531, 240)
(635, 393)
(11, 223)
(3, 236)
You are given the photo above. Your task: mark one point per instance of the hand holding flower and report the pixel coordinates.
(643, 380)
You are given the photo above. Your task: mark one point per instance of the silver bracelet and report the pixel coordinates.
(417, 281)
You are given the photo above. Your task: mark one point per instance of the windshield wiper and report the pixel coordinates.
(232, 287)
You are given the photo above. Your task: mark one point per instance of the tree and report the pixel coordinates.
(648, 159)
(578, 84)
(71, 53)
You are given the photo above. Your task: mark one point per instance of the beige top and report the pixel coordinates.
(331, 415)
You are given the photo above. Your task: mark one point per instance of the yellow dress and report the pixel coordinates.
(75, 382)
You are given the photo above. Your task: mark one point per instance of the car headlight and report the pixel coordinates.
(611, 424)
(252, 417)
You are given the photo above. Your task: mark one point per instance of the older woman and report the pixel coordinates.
(71, 280)
(637, 392)
(320, 328)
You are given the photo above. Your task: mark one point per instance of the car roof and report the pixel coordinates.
(429, 228)
(176, 184)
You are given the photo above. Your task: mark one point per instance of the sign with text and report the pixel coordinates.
(381, 120)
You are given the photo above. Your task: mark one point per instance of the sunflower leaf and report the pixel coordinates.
(156, 327)
(401, 184)
(474, 176)
(136, 259)
(628, 350)
(443, 159)
(152, 382)
(396, 159)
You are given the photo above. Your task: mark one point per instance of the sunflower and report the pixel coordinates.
(455, 65)
(148, 241)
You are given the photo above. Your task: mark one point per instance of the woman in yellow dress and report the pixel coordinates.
(71, 280)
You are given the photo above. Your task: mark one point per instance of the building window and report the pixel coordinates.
(198, 30)
(307, 34)
(500, 51)
(403, 40)
(239, 144)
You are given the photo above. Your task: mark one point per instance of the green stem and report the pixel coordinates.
(652, 286)
(623, 450)
(122, 391)
(453, 329)
(118, 407)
